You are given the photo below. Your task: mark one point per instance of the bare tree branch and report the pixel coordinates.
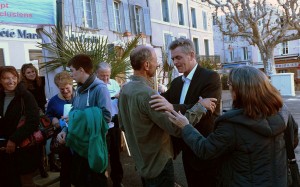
(261, 23)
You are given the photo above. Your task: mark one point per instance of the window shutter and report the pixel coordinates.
(78, 12)
(98, 14)
(67, 13)
(126, 17)
(147, 21)
(111, 19)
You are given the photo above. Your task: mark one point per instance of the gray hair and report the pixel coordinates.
(103, 65)
(186, 45)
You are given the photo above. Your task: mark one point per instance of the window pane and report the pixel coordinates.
(165, 10)
(117, 16)
(206, 44)
(180, 14)
(194, 21)
(196, 44)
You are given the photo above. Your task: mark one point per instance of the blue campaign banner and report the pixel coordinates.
(28, 11)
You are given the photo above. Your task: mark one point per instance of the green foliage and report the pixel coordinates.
(167, 68)
(208, 63)
(63, 49)
(224, 80)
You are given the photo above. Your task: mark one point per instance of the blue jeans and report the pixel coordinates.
(164, 179)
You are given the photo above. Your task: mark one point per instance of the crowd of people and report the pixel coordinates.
(245, 146)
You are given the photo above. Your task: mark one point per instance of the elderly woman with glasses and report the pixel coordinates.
(250, 137)
(17, 165)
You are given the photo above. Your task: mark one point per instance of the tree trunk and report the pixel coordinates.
(268, 60)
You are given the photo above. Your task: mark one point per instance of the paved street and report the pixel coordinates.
(131, 179)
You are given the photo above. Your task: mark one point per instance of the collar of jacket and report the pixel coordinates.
(142, 79)
(87, 83)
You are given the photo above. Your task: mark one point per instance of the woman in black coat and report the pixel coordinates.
(17, 165)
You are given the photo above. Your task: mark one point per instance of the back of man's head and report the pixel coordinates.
(139, 56)
(82, 61)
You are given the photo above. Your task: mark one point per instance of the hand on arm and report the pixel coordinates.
(158, 102)
(208, 103)
(177, 118)
(61, 137)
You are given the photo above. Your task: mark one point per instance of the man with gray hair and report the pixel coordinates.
(196, 82)
(114, 133)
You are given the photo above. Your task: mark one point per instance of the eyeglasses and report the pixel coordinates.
(229, 83)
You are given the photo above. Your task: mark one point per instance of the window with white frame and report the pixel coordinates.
(206, 46)
(165, 10)
(285, 48)
(298, 73)
(138, 19)
(245, 53)
(180, 14)
(204, 17)
(117, 16)
(196, 44)
(194, 19)
(88, 13)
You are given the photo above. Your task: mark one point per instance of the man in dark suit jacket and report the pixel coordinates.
(184, 92)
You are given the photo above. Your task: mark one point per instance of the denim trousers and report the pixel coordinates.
(164, 179)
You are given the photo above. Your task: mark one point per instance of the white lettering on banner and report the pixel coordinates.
(287, 65)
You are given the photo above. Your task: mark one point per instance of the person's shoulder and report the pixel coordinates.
(113, 81)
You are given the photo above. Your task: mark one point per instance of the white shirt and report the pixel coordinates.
(186, 84)
(113, 88)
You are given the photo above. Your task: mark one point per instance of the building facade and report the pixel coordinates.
(237, 52)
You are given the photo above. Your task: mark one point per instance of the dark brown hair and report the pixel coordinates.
(28, 83)
(253, 92)
(82, 61)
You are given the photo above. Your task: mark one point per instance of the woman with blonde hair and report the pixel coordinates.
(250, 137)
(55, 109)
(17, 165)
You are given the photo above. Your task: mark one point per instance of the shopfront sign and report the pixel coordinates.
(28, 11)
(287, 65)
(14, 32)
